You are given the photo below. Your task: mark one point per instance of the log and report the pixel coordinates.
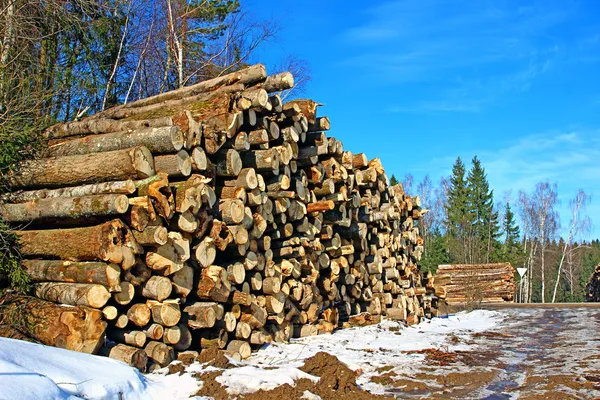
(131, 338)
(185, 340)
(159, 352)
(157, 288)
(151, 236)
(166, 139)
(183, 281)
(133, 163)
(99, 273)
(249, 75)
(139, 314)
(175, 165)
(172, 335)
(278, 82)
(117, 187)
(73, 328)
(69, 207)
(75, 294)
(129, 355)
(154, 331)
(231, 211)
(126, 294)
(101, 242)
(201, 315)
(214, 284)
(261, 160)
(240, 346)
(166, 313)
(229, 164)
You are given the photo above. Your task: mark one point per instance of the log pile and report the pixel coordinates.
(474, 283)
(215, 216)
(592, 289)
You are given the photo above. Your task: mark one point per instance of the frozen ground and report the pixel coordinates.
(525, 353)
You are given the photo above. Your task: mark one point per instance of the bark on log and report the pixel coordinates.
(101, 242)
(175, 165)
(167, 139)
(101, 125)
(116, 187)
(75, 294)
(133, 163)
(129, 355)
(73, 328)
(159, 352)
(70, 207)
(75, 272)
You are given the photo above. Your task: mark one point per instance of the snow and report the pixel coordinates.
(33, 371)
(385, 344)
(250, 378)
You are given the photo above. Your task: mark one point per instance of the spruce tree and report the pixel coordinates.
(435, 253)
(510, 228)
(485, 220)
(457, 216)
(393, 180)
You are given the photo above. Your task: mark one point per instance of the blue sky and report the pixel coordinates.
(420, 82)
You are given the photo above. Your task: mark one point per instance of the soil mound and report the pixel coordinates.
(214, 357)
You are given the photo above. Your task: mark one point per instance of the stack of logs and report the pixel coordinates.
(474, 283)
(210, 216)
(592, 289)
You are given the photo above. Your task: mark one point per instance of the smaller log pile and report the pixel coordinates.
(592, 289)
(214, 216)
(475, 283)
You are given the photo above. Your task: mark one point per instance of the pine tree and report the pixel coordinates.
(485, 220)
(393, 180)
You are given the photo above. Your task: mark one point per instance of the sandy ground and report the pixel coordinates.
(536, 353)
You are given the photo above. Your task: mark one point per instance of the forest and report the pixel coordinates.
(467, 223)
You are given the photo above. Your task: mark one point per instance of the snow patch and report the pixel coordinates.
(32, 371)
(250, 378)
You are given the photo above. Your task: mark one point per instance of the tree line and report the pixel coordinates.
(466, 224)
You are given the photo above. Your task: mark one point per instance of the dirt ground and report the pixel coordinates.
(537, 353)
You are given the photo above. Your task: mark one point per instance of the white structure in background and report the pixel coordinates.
(522, 281)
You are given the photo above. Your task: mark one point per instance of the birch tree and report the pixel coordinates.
(578, 224)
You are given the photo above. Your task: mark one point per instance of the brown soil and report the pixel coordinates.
(336, 380)
(210, 387)
(176, 368)
(214, 357)
(400, 383)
